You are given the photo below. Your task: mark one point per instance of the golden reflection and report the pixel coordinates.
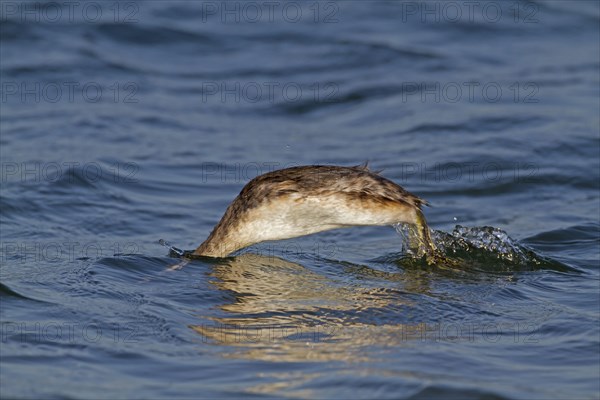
(284, 311)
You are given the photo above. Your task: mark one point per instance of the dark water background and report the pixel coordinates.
(123, 123)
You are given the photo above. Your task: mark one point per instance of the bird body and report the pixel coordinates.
(299, 201)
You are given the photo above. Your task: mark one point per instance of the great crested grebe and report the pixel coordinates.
(298, 201)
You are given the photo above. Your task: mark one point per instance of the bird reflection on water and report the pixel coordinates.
(282, 310)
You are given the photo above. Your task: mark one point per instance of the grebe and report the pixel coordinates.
(298, 201)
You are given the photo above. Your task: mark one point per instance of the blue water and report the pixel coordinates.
(124, 123)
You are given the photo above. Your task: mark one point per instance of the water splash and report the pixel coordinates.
(480, 248)
(417, 239)
(412, 244)
(492, 240)
(172, 249)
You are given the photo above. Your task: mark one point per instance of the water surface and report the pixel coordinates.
(144, 121)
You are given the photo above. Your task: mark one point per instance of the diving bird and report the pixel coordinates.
(299, 201)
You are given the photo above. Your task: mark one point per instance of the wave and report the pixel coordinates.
(483, 249)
